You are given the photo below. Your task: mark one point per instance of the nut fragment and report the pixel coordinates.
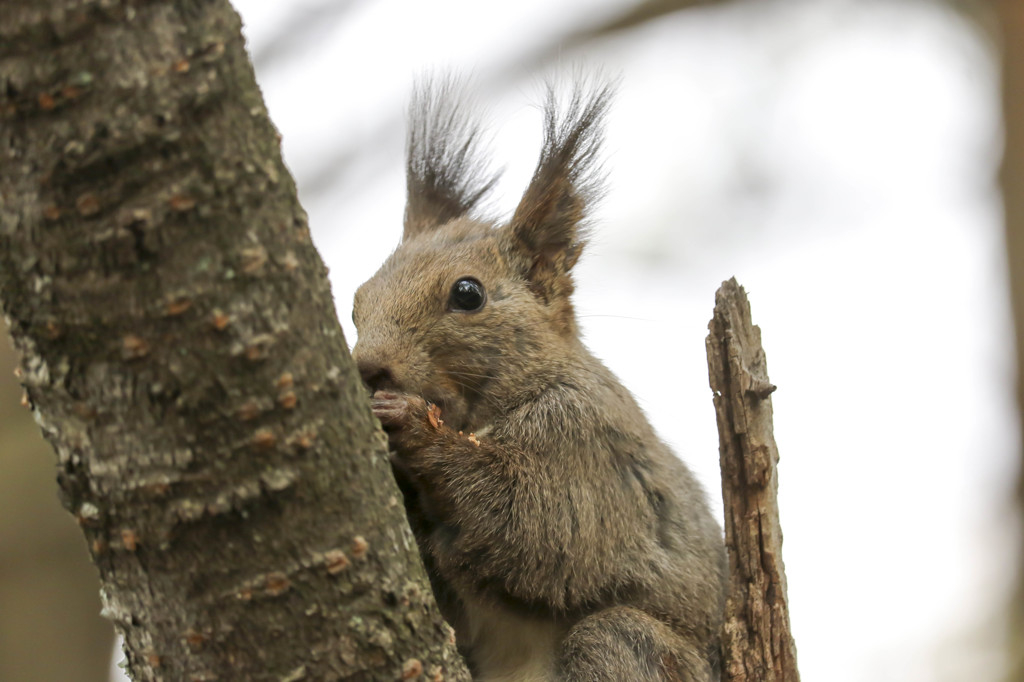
(434, 416)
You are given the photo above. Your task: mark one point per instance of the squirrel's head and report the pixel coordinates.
(471, 314)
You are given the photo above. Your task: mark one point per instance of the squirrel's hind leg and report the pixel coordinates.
(624, 643)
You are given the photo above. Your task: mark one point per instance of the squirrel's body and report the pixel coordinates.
(564, 540)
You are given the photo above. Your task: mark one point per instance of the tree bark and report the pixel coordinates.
(47, 583)
(757, 645)
(181, 352)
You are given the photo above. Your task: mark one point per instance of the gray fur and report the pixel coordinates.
(565, 541)
(445, 175)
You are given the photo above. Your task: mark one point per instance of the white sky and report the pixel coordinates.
(839, 159)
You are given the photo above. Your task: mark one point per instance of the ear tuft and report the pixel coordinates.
(445, 176)
(549, 223)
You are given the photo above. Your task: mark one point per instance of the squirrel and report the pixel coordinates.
(564, 540)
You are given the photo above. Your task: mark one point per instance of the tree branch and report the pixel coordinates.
(756, 641)
(1011, 25)
(181, 352)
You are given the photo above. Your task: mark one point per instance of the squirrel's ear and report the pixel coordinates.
(445, 177)
(549, 223)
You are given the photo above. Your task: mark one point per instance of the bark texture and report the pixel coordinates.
(1011, 21)
(757, 645)
(181, 352)
(47, 583)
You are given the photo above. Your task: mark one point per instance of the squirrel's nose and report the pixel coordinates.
(376, 375)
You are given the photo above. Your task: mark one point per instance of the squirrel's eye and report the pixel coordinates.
(467, 296)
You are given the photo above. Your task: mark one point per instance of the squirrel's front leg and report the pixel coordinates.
(422, 447)
(464, 483)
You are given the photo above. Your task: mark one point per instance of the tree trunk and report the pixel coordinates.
(181, 352)
(47, 583)
(1011, 22)
(757, 645)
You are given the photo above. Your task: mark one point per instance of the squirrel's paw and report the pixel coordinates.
(407, 419)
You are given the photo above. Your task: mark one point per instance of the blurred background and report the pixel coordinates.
(839, 157)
